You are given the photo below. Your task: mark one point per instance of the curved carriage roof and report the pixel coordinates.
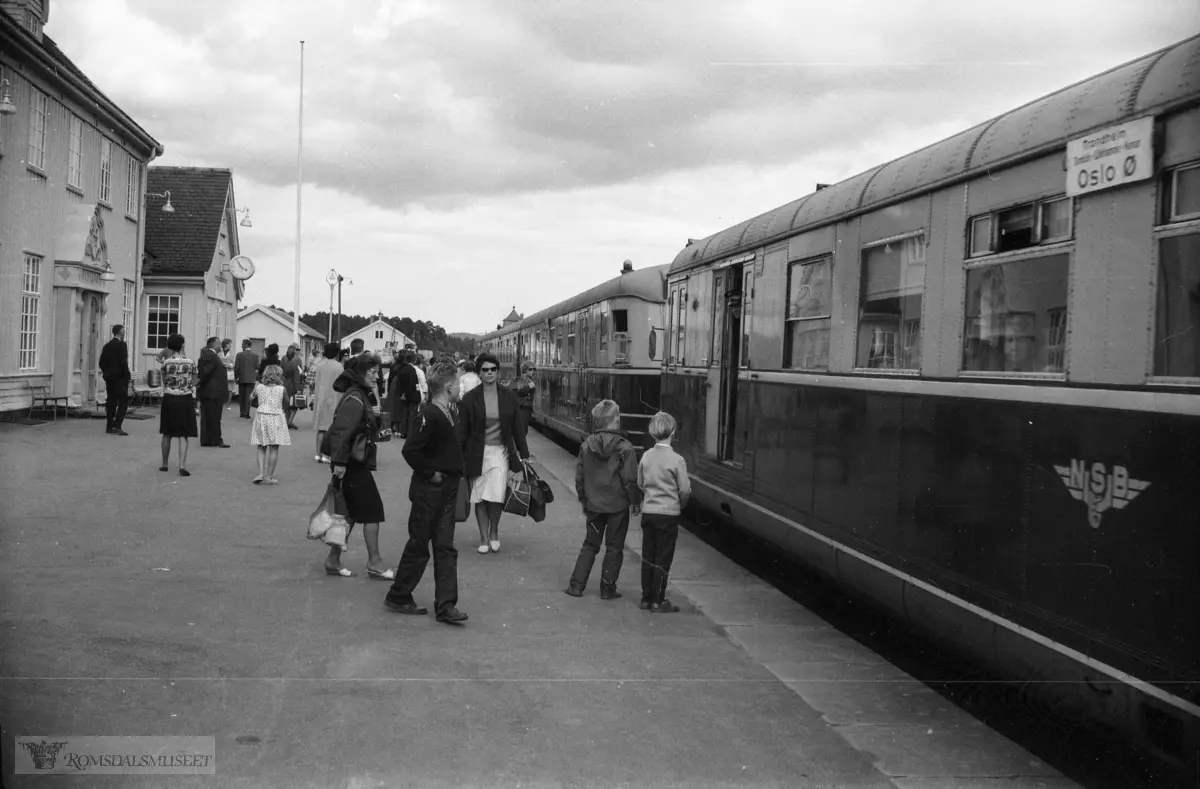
(1156, 82)
(646, 285)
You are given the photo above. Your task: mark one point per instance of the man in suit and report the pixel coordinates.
(406, 396)
(213, 390)
(114, 366)
(245, 373)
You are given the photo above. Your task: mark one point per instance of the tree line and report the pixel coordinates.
(427, 335)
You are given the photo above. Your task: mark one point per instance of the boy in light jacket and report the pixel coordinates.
(663, 480)
(606, 483)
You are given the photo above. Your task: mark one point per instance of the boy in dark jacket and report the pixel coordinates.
(606, 482)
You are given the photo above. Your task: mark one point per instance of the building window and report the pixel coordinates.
(1016, 316)
(889, 323)
(806, 334)
(223, 295)
(133, 180)
(162, 319)
(39, 116)
(1177, 344)
(1020, 227)
(105, 170)
(75, 154)
(31, 296)
(127, 305)
(379, 334)
(1181, 193)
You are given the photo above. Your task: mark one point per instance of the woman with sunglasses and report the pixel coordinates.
(493, 436)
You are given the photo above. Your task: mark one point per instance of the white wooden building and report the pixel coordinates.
(262, 326)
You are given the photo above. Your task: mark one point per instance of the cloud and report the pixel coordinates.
(463, 157)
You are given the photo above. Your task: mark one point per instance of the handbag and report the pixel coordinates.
(254, 400)
(462, 502)
(328, 521)
(520, 490)
(362, 450)
(539, 495)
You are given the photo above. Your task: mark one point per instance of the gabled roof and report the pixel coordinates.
(513, 316)
(372, 325)
(283, 319)
(184, 242)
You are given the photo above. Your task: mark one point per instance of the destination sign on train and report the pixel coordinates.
(1110, 157)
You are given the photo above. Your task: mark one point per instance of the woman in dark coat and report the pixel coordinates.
(493, 436)
(292, 381)
(363, 503)
(271, 357)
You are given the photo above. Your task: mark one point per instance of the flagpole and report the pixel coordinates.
(299, 185)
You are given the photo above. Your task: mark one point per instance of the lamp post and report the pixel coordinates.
(335, 280)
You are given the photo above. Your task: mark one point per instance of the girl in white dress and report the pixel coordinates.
(270, 430)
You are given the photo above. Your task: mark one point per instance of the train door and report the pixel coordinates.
(731, 358)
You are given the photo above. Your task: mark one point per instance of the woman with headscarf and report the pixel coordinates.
(493, 444)
(355, 416)
(324, 398)
(292, 383)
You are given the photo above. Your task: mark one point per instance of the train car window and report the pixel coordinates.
(747, 315)
(1015, 228)
(680, 323)
(571, 339)
(1177, 346)
(981, 235)
(604, 327)
(1055, 220)
(889, 324)
(806, 336)
(1016, 316)
(620, 320)
(1182, 193)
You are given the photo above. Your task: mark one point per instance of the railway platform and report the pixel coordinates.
(144, 603)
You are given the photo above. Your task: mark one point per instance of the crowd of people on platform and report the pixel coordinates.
(464, 435)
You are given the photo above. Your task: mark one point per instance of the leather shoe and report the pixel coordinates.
(609, 595)
(665, 607)
(406, 608)
(644, 605)
(222, 446)
(452, 616)
(574, 592)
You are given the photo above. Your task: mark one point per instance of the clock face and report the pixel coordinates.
(241, 267)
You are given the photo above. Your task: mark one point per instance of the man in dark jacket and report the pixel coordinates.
(245, 373)
(406, 397)
(213, 391)
(114, 366)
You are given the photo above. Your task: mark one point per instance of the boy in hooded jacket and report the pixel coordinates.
(606, 483)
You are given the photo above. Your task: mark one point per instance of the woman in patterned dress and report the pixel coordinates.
(177, 418)
(269, 430)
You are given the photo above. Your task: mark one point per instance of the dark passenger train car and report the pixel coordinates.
(604, 343)
(966, 384)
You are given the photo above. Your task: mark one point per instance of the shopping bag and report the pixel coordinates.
(328, 521)
(462, 503)
(540, 486)
(516, 498)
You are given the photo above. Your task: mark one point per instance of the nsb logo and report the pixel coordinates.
(1099, 488)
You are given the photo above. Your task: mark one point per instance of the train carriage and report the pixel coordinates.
(966, 384)
(604, 343)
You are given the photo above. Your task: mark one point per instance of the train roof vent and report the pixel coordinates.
(627, 267)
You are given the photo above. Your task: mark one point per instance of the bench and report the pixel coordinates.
(40, 397)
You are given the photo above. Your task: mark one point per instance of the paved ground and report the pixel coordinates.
(137, 602)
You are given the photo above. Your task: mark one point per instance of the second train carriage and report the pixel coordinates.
(966, 384)
(604, 343)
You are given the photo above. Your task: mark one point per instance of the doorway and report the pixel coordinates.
(89, 339)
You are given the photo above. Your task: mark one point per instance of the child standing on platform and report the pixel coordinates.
(269, 430)
(663, 480)
(606, 483)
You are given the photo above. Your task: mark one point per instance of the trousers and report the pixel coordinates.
(244, 392)
(116, 402)
(210, 421)
(430, 520)
(609, 527)
(659, 533)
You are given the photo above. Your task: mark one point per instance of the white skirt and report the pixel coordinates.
(492, 484)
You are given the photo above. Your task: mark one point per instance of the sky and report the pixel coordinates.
(465, 157)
